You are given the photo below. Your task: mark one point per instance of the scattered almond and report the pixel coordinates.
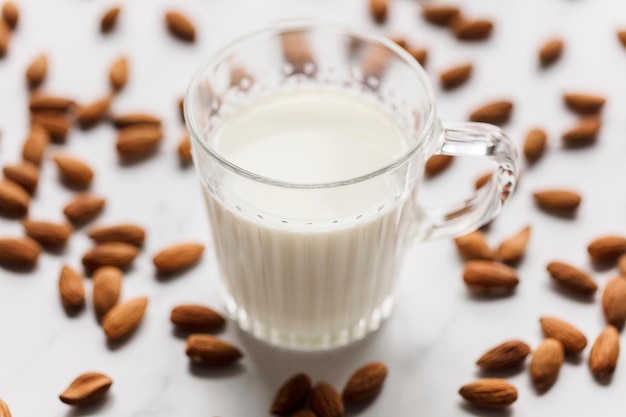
(84, 208)
(25, 174)
(506, 355)
(621, 36)
(614, 302)
(86, 389)
(436, 164)
(572, 278)
(128, 233)
(420, 55)
(513, 248)
(138, 141)
(365, 382)
(71, 289)
(181, 108)
(54, 122)
(91, 114)
(42, 102)
(19, 252)
(37, 71)
(440, 15)
(35, 145)
(4, 409)
(123, 318)
(621, 264)
(550, 52)
(178, 257)
(184, 150)
(489, 393)
(572, 339)
(535, 144)
(109, 19)
(211, 351)
(117, 254)
(483, 179)
(400, 41)
(584, 133)
(604, 353)
(326, 401)
(584, 103)
(14, 200)
(118, 74)
(546, 363)
(74, 171)
(607, 248)
(48, 233)
(455, 76)
(134, 119)
(292, 395)
(10, 14)
(378, 11)
(107, 287)
(5, 38)
(557, 200)
(496, 112)
(471, 30)
(474, 246)
(304, 413)
(196, 318)
(180, 27)
(296, 50)
(488, 276)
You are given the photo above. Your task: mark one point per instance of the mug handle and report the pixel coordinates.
(473, 139)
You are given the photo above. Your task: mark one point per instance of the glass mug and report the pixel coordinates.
(310, 264)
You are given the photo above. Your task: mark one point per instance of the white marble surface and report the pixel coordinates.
(437, 330)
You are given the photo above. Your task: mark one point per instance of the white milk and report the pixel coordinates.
(310, 268)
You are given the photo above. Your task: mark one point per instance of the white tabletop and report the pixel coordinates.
(437, 330)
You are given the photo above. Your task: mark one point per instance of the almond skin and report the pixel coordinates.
(37, 71)
(74, 171)
(14, 200)
(326, 401)
(607, 248)
(84, 208)
(489, 393)
(109, 19)
(196, 318)
(557, 200)
(621, 264)
(19, 252)
(604, 353)
(584, 103)
(471, 30)
(128, 233)
(123, 318)
(5, 38)
(181, 108)
(10, 14)
(35, 145)
(107, 287)
(118, 74)
(513, 248)
(474, 246)
(25, 174)
(489, 277)
(365, 383)
(496, 112)
(482, 180)
(550, 52)
(621, 36)
(546, 363)
(420, 55)
(572, 339)
(91, 114)
(4, 409)
(71, 289)
(184, 150)
(535, 144)
(211, 351)
(54, 122)
(572, 278)
(506, 355)
(180, 26)
(456, 76)
(134, 119)
(48, 233)
(436, 164)
(439, 15)
(292, 395)
(137, 142)
(378, 10)
(304, 413)
(583, 134)
(43, 102)
(117, 254)
(178, 257)
(614, 302)
(86, 389)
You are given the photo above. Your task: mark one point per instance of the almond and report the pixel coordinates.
(607, 248)
(614, 302)
(117, 254)
(196, 318)
(5, 38)
(440, 15)
(488, 276)
(572, 278)
(471, 30)
(507, 355)
(4, 409)
(211, 351)
(420, 55)
(302, 413)
(107, 287)
(584, 133)
(513, 248)
(118, 74)
(483, 179)
(572, 339)
(134, 119)
(296, 49)
(365, 382)
(550, 52)
(71, 289)
(456, 76)
(489, 393)
(557, 200)
(584, 103)
(54, 122)
(546, 363)
(74, 171)
(400, 41)
(48, 233)
(37, 71)
(474, 246)
(84, 208)
(25, 175)
(180, 26)
(378, 11)
(436, 164)
(35, 145)
(19, 252)
(181, 108)
(123, 318)
(10, 14)
(535, 144)
(184, 150)
(109, 19)
(14, 200)
(604, 353)
(129, 233)
(138, 141)
(86, 389)
(91, 114)
(326, 401)
(496, 112)
(178, 257)
(621, 36)
(292, 395)
(43, 102)
(621, 264)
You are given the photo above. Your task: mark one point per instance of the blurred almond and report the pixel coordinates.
(292, 395)
(107, 287)
(196, 318)
(37, 71)
(378, 11)
(489, 277)
(557, 200)
(184, 150)
(326, 401)
(178, 256)
(5, 38)
(621, 264)
(86, 389)
(118, 74)
(14, 200)
(83, 208)
(584, 103)
(456, 76)
(436, 164)
(74, 171)
(621, 36)
(123, 318)
(48, 233)
(25, 174)
(180, 26)
(35, 145)
(134, 119)
(71, 288)
(440, 15)
(604, 353)
(129, 233)
(420, 55)
(117, 254)
(489, 393)
(607, 248)
(546, 363)
(583, 134)
(496, 112)
(109, 19)
(138, 141)
(535, 144)
(471, 30)
(513, 248)
(211, 351)
(10, 14)
(304, 413)
(506, 355)
(4, 409)
(572, 278)
(91, 114)
(614, 302)
(474, 246)
(19, 252)
(41, 102)
(55, 122)
(365, 383)
(573, 340)
(483, 179)
(550, 52)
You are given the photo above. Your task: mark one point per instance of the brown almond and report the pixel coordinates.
(604, 353)
(326, 401)
(129, 233)
(584, 103)
(4, 409)
(378, 11)
(621, 264)
(496, 112)
(365, 382)
(181, 108)
(573, 340)
(109, 19)
(584, 133)
(71, 288)
(513, 248)
(138, 141)
(123, 318)
(211, 351)
(37, 71)
(196, 318)
(74, 171)
(420, 55)
(180, 26)
(56, 123)
(551, 51)
(436, 164)
(178, 257)
(184, 150)
(117, 254)
(489, 393)
(296, 50)
(614, 302)
(489, 276)
(14, 200)
(35, 145)
(456, 76)
(556, 200)
(48, 233)
(607, 248)
(118, 74)
(10, 14)
(535, 144)
(292, 395)
(19, 252)
(572, 278)
(440, 15)
(86, 389)
(546, 363)
(474, 246)
(134, 119)
(506, 355)
(471, 30)
(5, 38)
(621, 36)
(483, 179)
(304, 413)
(91, 114)
(43, 102)
(84, 208)
(25, 174)
(400, 41)
(107, 287)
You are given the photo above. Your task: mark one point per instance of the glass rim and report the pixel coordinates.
(291, 25)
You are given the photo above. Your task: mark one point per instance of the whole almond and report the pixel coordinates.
(572, 278)
(436, 164)
(497, 112)
(35, 145)
(184, 150)
(180, 26)
(326, 401)
(604, 353)
(196, 318)
(621, 36)
(84, 208)
(48, 233)
(25, 174)
(614, 302)
(488, 276)
(42, 102)
(456, 76)
(471, 30)
(584, 103)
(292, 395)
(138, 141)
(10, 14)
(19, 252)
(117, 254)
(550, 52)
(91, 114)
(420, 55)
(5, 38)
(557, 200)
(71, 288)
(123, 318)
(14, 200)
(573, 340)
(535, 144)
(513, 248)
(86, 389)
(489, 393)
(37, 71)
(546, 363)
(378, 11)
(178, 257)
(607, 248)
(440, 15)
(109, 19)
(74, 171)
(134, 119)
(56, 123)
(118, 74)
(365, 382)
(129, 233)
(211, 351)
(506, 355)
(107, 287)
(474, 246)
(483, 179)
(4, 409)
(584, 133)
(621, 264)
